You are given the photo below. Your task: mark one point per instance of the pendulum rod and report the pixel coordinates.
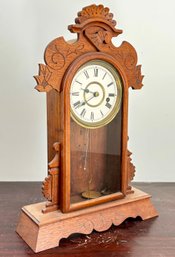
(89, 194)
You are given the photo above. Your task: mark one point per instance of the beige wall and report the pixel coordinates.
(27, 26)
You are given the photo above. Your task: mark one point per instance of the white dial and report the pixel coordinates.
(95, 94)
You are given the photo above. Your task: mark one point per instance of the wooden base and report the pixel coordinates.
(43, 231)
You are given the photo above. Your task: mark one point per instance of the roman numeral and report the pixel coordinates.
(83, 112)
(108, 105)
(110, 84)
(111, 95)
(76, 104)
(92, 116)
(96, 72)
(86, 74)
(75, 93)
(104, 75)
(101, 113)
(78, 82)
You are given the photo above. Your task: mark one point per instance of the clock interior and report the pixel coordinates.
(97, 169)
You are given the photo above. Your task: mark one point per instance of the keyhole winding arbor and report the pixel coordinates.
(75, 144)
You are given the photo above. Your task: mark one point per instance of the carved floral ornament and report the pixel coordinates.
(95, 28)
(95, 11)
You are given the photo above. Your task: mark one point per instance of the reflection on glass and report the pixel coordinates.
(95, 160)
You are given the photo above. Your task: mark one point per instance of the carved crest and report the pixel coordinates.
(95, 12)
(95, 28)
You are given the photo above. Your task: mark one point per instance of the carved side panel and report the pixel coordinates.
(131, 170)
(50, 188)
(59, 54)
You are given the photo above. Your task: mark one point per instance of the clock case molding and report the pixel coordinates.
(95, 29)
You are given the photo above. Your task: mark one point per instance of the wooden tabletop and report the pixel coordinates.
(133, 238)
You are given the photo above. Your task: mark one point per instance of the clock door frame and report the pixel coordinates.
(65, 203)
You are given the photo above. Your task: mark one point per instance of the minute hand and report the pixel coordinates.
(90, 98)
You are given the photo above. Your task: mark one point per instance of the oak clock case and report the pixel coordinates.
(90, 169)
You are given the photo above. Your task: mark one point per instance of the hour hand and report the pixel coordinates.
(79, 104)
(86, 90)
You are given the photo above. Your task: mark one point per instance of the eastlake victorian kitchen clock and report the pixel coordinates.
(89, 173)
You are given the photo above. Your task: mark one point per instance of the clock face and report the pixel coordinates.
(95, 94)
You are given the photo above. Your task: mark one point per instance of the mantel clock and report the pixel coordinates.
(89, 173)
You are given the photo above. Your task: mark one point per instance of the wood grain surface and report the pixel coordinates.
(133, 238)
(94, 29)
(42, 232)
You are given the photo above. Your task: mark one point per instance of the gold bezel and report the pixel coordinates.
(116, 108)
